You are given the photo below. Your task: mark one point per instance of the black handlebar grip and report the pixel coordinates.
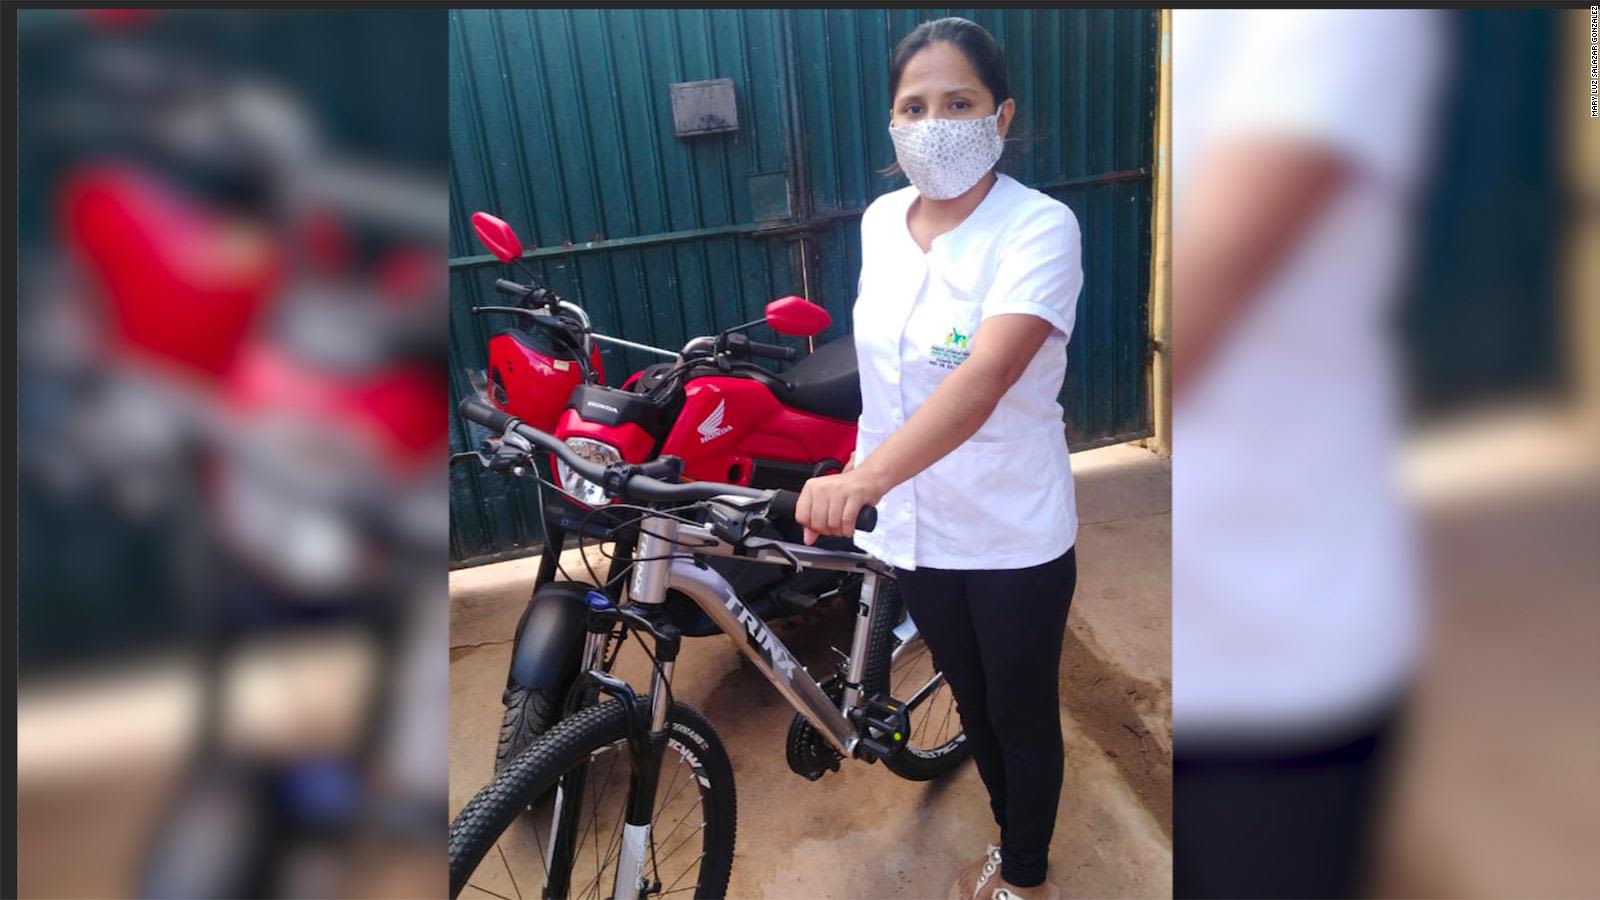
(867, 518)
(475, 410)
(782, 505)
(772, 351)
(663, 468)
(506, 286)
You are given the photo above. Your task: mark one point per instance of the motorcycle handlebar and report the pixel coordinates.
(511, 288)
(772, 351)
(741, 345)
(634, 486)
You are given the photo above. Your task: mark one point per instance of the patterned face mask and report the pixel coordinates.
(946, 157)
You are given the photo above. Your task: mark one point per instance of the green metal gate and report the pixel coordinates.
(561, 123)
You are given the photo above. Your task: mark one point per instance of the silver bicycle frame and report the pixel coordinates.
(663, 563)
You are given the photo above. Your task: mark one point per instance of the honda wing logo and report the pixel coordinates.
(712, 428)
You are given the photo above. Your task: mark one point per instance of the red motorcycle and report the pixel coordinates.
(708, 413)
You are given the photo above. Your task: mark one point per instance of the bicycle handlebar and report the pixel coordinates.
(625, 480)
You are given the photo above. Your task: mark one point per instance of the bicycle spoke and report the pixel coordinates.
(539, 844)
(927, 725)
(914, 662)
(946, 720)
(669, 792)
(598, 874)
(655, 863)
(677, 825)
(687, 838)
(577, 845)
(928, 689)
(674, 884)
(487, 891)
(614, 844)
(509, 874)
(691, 780)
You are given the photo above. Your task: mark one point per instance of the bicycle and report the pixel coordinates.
(608, 759)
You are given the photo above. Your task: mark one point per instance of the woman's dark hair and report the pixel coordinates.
(973, 40)
(975, 43)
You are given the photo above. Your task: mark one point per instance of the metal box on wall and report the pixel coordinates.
(704, 107)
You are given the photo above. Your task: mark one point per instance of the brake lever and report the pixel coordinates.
(502, 453)
(741, 529)
(478, 455)
(731, 522)
(516, 440)
(761, 543)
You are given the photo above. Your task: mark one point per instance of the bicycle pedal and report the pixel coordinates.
(884, 726)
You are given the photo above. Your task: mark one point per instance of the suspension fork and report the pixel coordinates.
(595, 642)
(647, 727)
(646, 752)
(647, 743)
(657, 538)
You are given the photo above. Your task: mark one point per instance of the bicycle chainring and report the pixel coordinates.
(808, 752)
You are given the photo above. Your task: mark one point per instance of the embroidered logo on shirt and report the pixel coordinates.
(712, 428)
(950, 354)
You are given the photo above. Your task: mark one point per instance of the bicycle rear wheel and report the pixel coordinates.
(937, 743)
(495, 851)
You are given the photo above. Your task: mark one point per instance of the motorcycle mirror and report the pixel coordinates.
(496, 235)
(797, 317)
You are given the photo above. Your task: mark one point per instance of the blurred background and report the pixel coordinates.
(232, 408)
(1386, 437)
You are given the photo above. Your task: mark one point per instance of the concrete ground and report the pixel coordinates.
(862, 832)
(1496, 795)
(1494, 790)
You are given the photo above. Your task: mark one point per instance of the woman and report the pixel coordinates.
(969, 284)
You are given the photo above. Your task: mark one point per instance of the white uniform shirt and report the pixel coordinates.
(1004, 498)
(1294, 594)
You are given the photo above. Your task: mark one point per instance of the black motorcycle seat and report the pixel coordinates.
(825, 382)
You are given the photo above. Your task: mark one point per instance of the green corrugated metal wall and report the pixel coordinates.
(561, 123)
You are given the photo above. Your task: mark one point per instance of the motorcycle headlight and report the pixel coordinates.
(582, 489)
(284, 487)
(308, 547)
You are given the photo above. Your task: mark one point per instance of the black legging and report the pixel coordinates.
(1255, 820)
(996, 634)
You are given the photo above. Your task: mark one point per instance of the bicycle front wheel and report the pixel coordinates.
(570, 843)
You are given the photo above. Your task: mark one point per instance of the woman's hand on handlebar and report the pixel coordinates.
(828, 504)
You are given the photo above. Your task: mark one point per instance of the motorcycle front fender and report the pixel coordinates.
(549, 641)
